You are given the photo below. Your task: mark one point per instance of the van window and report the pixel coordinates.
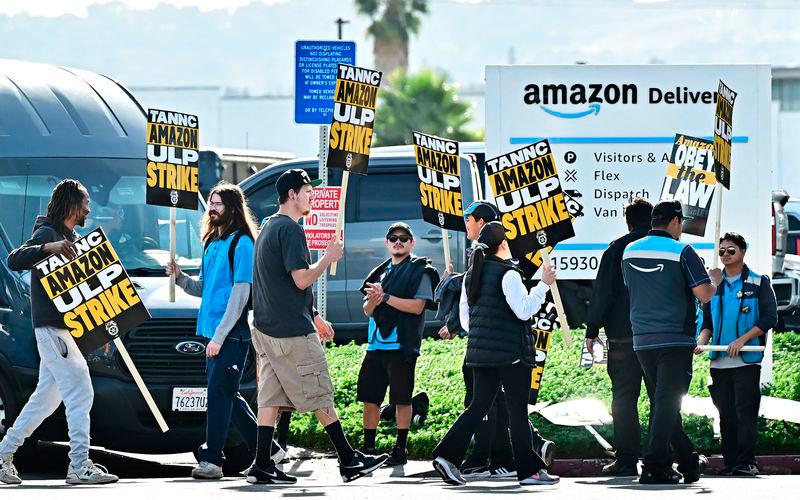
(264, 202)
(384, 197)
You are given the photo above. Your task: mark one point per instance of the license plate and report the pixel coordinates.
(189, 398)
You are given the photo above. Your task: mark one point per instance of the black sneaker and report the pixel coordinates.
(692, 471)
(368, 450)
(361, 465)
(475, 472)
(665, 476)
(745, 470)
(726, 470)
(620, 469)
(270, 475)
(397, 457)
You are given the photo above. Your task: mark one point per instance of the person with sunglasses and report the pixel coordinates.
(742, 311)
(396, 294)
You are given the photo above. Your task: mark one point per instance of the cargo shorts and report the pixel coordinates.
(292, 373)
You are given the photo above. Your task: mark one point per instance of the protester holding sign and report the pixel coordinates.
(495, 309)
(63, 372)
(664, 277)
(396, 294)
(292, 369)
(227, 271)
(610, 309)
(743, 310)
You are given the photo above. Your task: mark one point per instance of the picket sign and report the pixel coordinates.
(717, 226)
(721, 348)
(446, 240)
(562, 317)
(140, 383)
(173, 215)
(340, 216)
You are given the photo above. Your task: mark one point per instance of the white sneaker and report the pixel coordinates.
(502, 473)
(8, 473)
(207, 470)
(448, 471)
(90, 473)
(541, 477)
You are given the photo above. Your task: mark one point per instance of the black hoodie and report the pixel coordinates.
(43, 310)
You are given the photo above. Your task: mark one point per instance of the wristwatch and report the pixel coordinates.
(386, 297)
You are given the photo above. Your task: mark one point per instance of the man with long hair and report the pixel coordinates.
(63, 372)
(226, 277)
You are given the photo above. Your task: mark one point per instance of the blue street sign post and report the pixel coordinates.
(316, 63)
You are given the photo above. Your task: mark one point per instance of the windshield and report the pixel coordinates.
(138, 232)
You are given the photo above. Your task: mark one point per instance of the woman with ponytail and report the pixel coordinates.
(496, 308)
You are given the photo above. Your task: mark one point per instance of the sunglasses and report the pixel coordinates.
(730, 250)
(394, 237)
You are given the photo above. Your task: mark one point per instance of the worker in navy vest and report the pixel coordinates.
(224, 285)
(740, 314)
(664, 277)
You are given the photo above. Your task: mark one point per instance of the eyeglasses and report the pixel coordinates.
(214, 204)
(730, 250)
(394, 237)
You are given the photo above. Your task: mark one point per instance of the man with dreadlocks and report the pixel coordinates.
(226, 277)
(63, 372)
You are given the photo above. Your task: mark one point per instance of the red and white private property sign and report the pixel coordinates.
(320, 224)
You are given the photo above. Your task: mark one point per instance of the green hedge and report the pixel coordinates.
(439, 374)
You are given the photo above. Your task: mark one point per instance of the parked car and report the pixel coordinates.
(78, 124)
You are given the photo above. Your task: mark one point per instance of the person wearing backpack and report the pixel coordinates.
(226, 277)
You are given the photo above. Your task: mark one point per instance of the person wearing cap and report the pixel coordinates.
(396, 294)
(496, 308)
(741, 313)
(664, 276)
(292, 368)
(610, 309)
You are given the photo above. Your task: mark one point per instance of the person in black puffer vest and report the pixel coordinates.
(496, 308)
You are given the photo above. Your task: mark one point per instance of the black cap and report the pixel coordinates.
(400, 225)
(666, 210)
(482, 210)
(294, 178)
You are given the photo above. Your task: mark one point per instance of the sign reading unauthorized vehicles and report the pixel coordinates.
(320, 224)
(315, 65)
(612, 130)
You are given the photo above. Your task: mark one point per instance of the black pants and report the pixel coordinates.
(492, 441)
(737, 396)
(626, 377)
(667, 373)
(516, 381)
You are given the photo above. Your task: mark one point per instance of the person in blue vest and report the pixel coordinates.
(665, 277)
(740, 314)
(226, 276)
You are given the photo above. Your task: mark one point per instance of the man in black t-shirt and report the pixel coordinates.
(293, 372)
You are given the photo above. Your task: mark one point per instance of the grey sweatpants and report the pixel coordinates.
(63, 376)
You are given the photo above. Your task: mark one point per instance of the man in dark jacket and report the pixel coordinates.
(397, 293)
(610, 308)
(63, 372)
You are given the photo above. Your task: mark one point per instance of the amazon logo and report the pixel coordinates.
(592, 96)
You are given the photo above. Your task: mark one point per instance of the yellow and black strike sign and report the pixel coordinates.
(173, 152)
(690, 179)
(543, 323)
(438, 166)
(92, 291)
(353, 118)
(528, 194)
(723, 134)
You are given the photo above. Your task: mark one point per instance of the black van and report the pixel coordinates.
(62, 122)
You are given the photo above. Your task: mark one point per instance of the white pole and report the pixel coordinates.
(340, 216)
(140, 383)
(446, 240)
(717, 225)
(173, 215)
(562, 317)
(721, 348)
(322, 283)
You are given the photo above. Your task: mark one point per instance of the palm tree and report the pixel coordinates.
(425, 102)
(393, 21)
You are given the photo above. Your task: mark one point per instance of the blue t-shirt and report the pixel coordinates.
(377, 342)
(217, 284)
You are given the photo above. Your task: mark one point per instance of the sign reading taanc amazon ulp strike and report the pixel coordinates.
(543, 323)
(528, 194)
(173, 153)
(723, 134)
(92, 291)
(350, 137)
(438, 168)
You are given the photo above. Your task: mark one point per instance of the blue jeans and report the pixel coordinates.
(225, 404)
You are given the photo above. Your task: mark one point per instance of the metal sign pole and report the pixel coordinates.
(322, 281)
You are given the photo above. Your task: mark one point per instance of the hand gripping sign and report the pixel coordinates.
(690, 179)
(528, 194)
(438, 167)
(97, 300)
(350, 137)
(173, 153)
(723, 140)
